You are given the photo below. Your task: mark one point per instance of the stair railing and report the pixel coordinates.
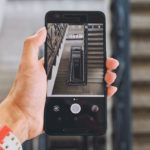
(121, 47)
(54, 42)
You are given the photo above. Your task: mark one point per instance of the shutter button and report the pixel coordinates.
(75, 108)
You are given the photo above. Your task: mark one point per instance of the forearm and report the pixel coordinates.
(11, 116)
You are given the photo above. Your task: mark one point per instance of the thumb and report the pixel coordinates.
(32, 44)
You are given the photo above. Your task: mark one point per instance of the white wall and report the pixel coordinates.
(2, 8)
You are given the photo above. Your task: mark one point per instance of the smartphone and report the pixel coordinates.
(75, 56)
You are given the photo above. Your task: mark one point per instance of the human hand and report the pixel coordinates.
(23, 109)
(111, 64)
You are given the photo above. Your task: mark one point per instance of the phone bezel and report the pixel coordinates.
(92, 17)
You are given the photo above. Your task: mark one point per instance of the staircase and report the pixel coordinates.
(95, 53)
(140, 52)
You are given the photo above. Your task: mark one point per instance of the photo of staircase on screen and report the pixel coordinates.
(75, 59)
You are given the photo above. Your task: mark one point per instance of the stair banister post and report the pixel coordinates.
(122, 104)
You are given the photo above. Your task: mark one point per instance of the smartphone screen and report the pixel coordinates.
(75, 55)
(75, 59)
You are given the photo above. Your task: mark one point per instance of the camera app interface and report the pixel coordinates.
(75, 59)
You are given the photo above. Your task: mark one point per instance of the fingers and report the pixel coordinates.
(111, 90)
(110, 77)
(112, 63)
(32, 44)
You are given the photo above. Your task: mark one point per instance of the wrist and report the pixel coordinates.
(12, 116)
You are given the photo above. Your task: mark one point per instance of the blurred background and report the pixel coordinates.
(128, 40)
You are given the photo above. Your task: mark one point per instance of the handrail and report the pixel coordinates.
(122, 105)
(53, 44)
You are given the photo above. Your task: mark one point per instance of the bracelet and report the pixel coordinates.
(8, 141)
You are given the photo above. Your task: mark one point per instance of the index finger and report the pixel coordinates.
(112, 63)
(32, 44)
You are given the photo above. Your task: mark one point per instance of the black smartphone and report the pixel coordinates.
(75, 56)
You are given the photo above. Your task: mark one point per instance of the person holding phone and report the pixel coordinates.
(23, 109)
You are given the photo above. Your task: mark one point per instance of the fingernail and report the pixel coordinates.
(116, 88)
(117, 63)
(114, 75)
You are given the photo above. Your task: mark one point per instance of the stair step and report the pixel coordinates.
(136, 4)
(95, 70)
(141, 97)
(95, 40)
(141, 142)
(95, 66)
(90, 80)
(90, 53)
(95, 35)
(141, 121)
(93, 30)
(141, 129)
(97, 61)
(95, 73)
(140, 23)
(95, 25)
(93, 48)
(140, 47)
(141, 71)
(95, 54)
(95, 44)
(95, 57)
(95, 51)
(140, 52)
(95, 76)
